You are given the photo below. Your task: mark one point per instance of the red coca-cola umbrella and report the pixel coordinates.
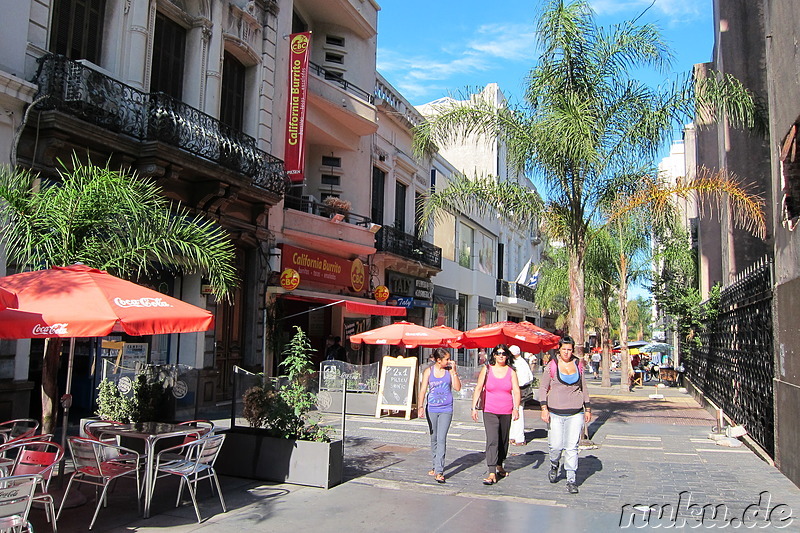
(403, 333)
(529, 337)
(456, 333)
(7, 298)
(78, 301)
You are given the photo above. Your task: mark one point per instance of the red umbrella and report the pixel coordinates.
(405, 333)
(456, 333)
(78, 301)
(7, 298)
(529, 337)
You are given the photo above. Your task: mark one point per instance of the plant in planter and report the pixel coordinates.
(337, 205)
(283, 443)
(148, 402)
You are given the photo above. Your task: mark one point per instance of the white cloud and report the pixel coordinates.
(675, 11)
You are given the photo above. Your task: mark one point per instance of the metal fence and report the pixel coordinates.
(734, 367)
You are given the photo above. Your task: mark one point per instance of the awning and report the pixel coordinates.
(352, 306)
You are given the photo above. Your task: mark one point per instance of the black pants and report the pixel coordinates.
(497, 429)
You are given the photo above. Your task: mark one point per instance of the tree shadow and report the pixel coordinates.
(361, 458)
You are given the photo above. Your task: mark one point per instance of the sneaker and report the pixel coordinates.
(552, 475)
(572, 488)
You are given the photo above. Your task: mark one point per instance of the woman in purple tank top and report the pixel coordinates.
(500, 388)
(436, 403)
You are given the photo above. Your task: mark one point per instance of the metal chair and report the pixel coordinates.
(204, 428)
(8, 450)
(19, 428)
(16, 494)
(40, 457)
(92, 468)
(201, 454)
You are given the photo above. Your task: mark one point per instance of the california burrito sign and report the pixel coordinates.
(317, 267)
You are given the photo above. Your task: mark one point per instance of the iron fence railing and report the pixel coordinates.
(336, 78)
(512, 289)
(389, 239)
(320, 208)
(735, 366)
(94, 97)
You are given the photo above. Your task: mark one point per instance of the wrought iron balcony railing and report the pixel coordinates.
(389, 239)
(343, 83)
(512, 289)
(307, 205)
(94, 97)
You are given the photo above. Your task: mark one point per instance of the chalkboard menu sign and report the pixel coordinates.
(398, 377)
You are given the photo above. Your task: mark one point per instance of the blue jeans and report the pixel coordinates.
(439, 425)
(565, 434)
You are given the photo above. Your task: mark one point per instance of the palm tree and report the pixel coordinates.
(584, 120)
(110, 220)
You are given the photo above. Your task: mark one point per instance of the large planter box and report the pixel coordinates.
(358, 403)
(250, 453)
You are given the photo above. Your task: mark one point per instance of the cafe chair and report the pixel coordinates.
(40, 457)
(200, 456)
(92, 468)
(9, 449)
(204, 428)
(16, 496)
(20, 428)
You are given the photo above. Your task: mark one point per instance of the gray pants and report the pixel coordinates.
(497, 429)
(439, 425)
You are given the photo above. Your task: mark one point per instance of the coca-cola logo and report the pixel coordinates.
(141, 302)
(52, 329)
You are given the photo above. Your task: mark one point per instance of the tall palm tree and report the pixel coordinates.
(106, 219)
(583, 121)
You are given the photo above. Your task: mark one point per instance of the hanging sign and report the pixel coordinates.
(290, 279)
(381, 293)
(323, 268)
(294, 150)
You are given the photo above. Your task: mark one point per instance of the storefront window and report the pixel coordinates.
(466, 238)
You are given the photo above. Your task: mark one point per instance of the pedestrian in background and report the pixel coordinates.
(565, 407)
(525, 378)
(498, 384)
(436, 404)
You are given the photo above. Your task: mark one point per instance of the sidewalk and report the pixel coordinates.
(650, 451)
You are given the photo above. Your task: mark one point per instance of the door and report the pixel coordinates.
(228, 336)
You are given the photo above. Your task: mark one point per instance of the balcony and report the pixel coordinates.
(311, 224)
(307, 205)
(396, 242)
(77, 90)
(399, 108)
(512, 289)
(339, 112)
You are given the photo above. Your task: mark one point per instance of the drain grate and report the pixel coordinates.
(396, 449)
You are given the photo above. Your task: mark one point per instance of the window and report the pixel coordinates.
(334, 40)
(378, 184)
(444, 236)
(77, 30)
(334, 58)
(330, 179)
(233, 80)
(790, 166)
(466, 236)
(419, 204)
(485, 253)
(330, 161)
(400, 206)
(169, 47)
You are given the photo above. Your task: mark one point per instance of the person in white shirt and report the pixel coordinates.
(516, 434)
(596, 358)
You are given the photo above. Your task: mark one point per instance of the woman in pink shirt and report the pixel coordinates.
(499, 385)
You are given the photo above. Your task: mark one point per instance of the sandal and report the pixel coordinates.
(439, 478)
(491, 479)
(502, 472)
(431, 472)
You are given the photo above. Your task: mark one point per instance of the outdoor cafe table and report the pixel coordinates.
(150, 433)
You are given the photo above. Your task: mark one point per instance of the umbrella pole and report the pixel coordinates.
(67, 401)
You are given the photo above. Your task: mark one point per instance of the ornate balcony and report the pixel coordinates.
(394, 241)
(511, 289)
(77, 90)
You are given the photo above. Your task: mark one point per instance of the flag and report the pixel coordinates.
(294, 151)
(523, 274)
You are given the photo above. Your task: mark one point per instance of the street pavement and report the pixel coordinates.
(653, 467)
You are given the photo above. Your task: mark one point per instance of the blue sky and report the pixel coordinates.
(433, 48)
(429, 49)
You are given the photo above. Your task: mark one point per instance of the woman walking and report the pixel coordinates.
(499, 386)
(565, 406)
(436, 403)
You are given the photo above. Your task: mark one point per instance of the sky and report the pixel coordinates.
(428, 49)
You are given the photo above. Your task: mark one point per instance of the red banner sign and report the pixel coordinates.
(322, 268)
(294, 152)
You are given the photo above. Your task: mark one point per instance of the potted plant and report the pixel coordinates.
(283, 443)
(337, 205)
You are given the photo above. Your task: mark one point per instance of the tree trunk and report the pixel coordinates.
(50, 362)
(605, 340)
(625, 360)
(577, 303)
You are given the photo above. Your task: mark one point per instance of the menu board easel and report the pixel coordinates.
(396, 391)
